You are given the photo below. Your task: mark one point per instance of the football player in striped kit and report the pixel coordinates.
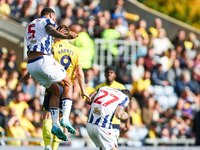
(105, 103)
(45, 69)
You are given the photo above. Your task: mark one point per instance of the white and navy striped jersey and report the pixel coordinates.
(36, 36)
(104, 105)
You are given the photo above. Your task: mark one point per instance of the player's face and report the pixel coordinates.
(110, 75)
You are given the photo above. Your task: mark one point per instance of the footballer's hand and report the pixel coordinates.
(127, 124)
(72, 35)
(25, 77)
(63, 31)
(88, 99)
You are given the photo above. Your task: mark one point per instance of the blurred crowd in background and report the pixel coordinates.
(164, 81)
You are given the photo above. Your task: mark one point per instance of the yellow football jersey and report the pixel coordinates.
(115, 85)
(68, 56)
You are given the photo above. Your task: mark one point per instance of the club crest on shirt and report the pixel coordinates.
(33, 41)
(96, 111)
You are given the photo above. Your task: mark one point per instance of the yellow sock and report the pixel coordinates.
(56, 142)
(46, 131)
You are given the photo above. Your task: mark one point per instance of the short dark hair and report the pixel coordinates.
(63, 27)
(47, 11)
(110, 68)
(127, 93)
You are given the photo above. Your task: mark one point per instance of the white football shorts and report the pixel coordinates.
(46, 70)
(102, 137)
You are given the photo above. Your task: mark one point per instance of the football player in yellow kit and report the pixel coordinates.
(69, 57)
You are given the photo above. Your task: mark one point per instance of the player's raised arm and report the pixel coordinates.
(53, 32)
(80, 77)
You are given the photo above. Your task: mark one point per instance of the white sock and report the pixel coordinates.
(66, 107)
(48, 146)
(55, 116)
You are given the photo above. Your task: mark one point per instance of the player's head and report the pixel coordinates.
(49, 13)
(63, 27)
(127, 93)
(110, 74)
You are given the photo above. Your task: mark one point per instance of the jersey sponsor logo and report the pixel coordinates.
(97, 111)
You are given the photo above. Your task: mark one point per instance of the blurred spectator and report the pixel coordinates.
(89, 83)
(15, 130)
(157, 25)
(163, 59)
(178, 41)
(162, 43)
(13, 78)
(53, 5)
(165, 134)
(3, 52)
(137, 129)
(131, 29)
(2, 64)
(121, 28)
(94, 8)
(174, 73)
(100, 26)
(38, 12)
(37, 119)
(173, 129)
(179, 108)
(91, 26)
(3, 78)
(85, 45)
(123, 74)
(138, 69)
(68, 15)
(29, 89)
(147, 112)
(184, 82)
(158, 76)
(111, 34)
(120, 5)
(95, 69)
(35, 104)
(4, 8)
(149, 63)
(18, 104)
(142, 84)
(157, 110)
(22, 69)
(193, 43)
(195, 81)
(62, 4)
(79, 16)
(197, 62)
(142, 24)
(11, 62)
(16, 8)
(107, 15)
(25, 122)
(172, 56)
